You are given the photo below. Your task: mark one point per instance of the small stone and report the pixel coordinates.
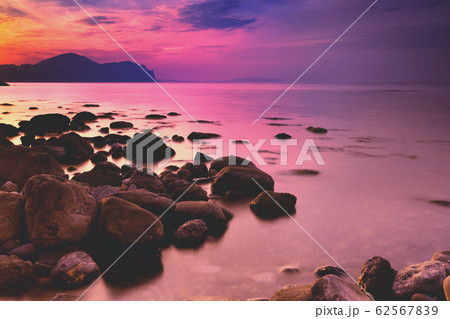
(191, 234)
(283, 136)
(267, 204)
(74, 269)
(289, 269)
(9, 187)
(304, 172)
(24, 251)
(319, 130)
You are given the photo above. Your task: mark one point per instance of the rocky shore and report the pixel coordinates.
(62, 232)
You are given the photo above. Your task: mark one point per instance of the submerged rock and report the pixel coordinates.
(267, 204)
(440, 202)
(85, 117)
(319, 130)
(191, 234)
(177, 138)
(15, 274)
(426, 278)
(322, 271)
(49, 123)
(304, 172)
(78, 150)
(333, 288)
(12, 215)
(293, 293)
(74, 269)
(289, 269)
(283, 136)
(202, 136)
(147, 148)
(377, 278)
(173, 114)
(155, 117)
(57, 210)
(121, 125)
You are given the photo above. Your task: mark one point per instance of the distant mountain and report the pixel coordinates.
(255, 80)
(72, 67)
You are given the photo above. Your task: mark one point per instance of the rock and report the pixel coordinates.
(5, 142)
(57, 152)
(99, 177)
(202, 158)
(116, 138)
(78, 150)
(85, 117)
(18, 163)
(329, 270)
(104, 191)
(49, 123)
(74, 269)
(266, 204)
(173, 114)
(319, 130)
(116, 150)
(78, 126)
(12, 216)
(304, 172)
(9, 245)
(149, 182)
(98, 141)
(155, 117)
(125, 222)
(57, 210)
(446, 286)
(197, 169)
(177, 138)
(191, 234)
(8, 130)
(421, 297)
(28, 139)
(211, 298)
(283, 136)
(226, 161)
(4, 84)
(71, 169)
(293, 293)
(120, 125)
(147, 148)
(15, 274)
(333, 288)
(104, 130)
(185, 174)
(107, 166)
(444, 257)
(241, 179)
(377, 278)
(8, 187)
(147, 200)
(426, 278)
(440, 202)
(91, 105)
(202, 136)
(181, 190)
(215, 217)
(24, 251)
(98, 157)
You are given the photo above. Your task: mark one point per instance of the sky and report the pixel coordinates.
(221, 40)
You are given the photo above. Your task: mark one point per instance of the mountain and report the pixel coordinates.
(72, 67)
(254, 80)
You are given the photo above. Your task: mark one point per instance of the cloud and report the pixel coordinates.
(12, 12)
(213, 14)
(99, 19)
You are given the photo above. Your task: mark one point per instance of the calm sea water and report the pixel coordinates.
(387, 153)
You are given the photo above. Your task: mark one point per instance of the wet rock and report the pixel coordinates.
(267, 204)
(446, 286)
(215, 217)
(125, 222)
(155, 117)
(185, 174)
(147, 200)
(49, 123)
(15, 274)
(319, 130)
(177, 138)
(191, 234)
(71, 169)
(148, 148)
(98, 141)
(116, 138)
(120, 125)
(78, 150)
(173, 114)
(333, 288)
(202, 158)
(104, 191)
(241, 179)
(19, 163)
(444, 257)
(172, 168)
(91, 105)
(25, 251)
(322, 271)
(377, 278)
(85, 117)
(182, 190)
(116, 150)
(293, 293)
(27, 139)
(57, 210)
(99, 177)
(8, 130)
(283, 136)
(9, 245)
(226, 161)
(4, 84)
(197, 169)
(8, 187)
(57, 152)
(202, 136)
(104, 130)
(289, 269)
(149, 182)
(12, 215)
(4, 142)
(74, 269)
(421, 297)
(304, 172)
(426, 278)
(108, 166)
(98, 157)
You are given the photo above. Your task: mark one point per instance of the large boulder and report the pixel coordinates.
(426, 278)
(147, 148)
(147, 200)
(444, 257)
(74, 269)
(12, 216)
(57, 210)
(15, 274)
(19, 163)
(267, 204)
(99, 177)
(333, 288)
(293, 293)
(377, 278)
(191, 234)
(49, 123)
(77, 148)
(231, 160)
(182, 190)
(84, 117)
(243, 180)
(197, 170)
(124, 221)
(8, 130)
(147, 181)
(215, 216)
